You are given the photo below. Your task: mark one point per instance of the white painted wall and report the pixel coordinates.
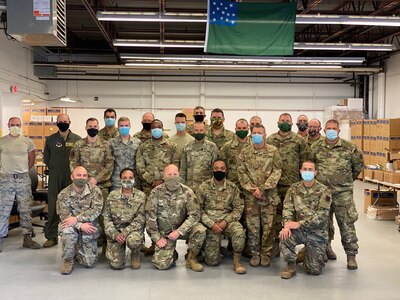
(165, 99)
(392, 87)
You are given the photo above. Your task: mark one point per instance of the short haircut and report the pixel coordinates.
(242, 120)
(302, 115)
(259, 126)
(109, 110)
(199, 123)
(217, 110)
(332, 121)
(319, 122)
(157, 120)
(285, 114)
(126, 169)
(180, 115)
(9, 120)
(220, 159)
(92, 120)
(309, 162)
(199, 107)
(123, 119)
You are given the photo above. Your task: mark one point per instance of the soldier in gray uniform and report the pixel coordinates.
(79, 206)
(124, 221)
(173, 212)
(221, 209)
(305, 221)
(17, 156)
(56, 157)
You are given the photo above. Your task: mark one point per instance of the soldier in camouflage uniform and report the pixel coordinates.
(79, 206)
(305, 221)
(217, 133)
(293, 151)
(95, 155)
(259, 170)
(173, 212)
(302, 125)
(199, 115)
(221, 209)
(124, 221)
(255, 120)
(313, 133)
(153, 156)
(197, 158)
(109, 131)
(339, 162)
(145, 134)
(124, 148)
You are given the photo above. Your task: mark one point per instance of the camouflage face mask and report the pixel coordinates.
(128, 183)
(172, 183)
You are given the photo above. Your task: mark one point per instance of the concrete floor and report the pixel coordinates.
(34, 274)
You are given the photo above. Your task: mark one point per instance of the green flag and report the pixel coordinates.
(250, 28)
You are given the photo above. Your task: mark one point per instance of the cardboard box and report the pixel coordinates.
(374, 145)
(392, 177)
(353, 102)
(381, 198)
(373, 128)
(36, 129)
(396, 164)
(367, 128)
(54, 111)
(366, 143)
(38, 141)
(379, 175)
(361, 175)
(358, 141)
(26, 114)
(367, 158)
(381, 158)
(382, 213)
(50, 128)
(357, 127)
(394, 154)
(388, 127)
(390, 143)
(368, 173)
(38, 111)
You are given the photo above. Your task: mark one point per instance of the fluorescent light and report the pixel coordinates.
(67, 99)
(259, 59)
(202, 18)
(298, 46)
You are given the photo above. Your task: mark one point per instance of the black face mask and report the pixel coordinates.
(302, 126)
(92, 132)
(219, 175)
(199, 118)
(146, 126)
(312, 132)
(63, 126)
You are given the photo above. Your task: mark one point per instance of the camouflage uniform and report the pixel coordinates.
(86, 207)
(144, 135)
(338, 166)
(310, 142)
(103, 134)
(96, 158)
(167, 211)
(226, 136)
(310, 207)
(293, 150)
(151, 159)
(124, 157)
(230, 152)
(124, 215)
(260, 168)
(196, 162)
(219, 203)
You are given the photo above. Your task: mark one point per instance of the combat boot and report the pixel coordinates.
(29, 243)
(1, 244)
(289, 271)
(50, 243)
(192, 263)
(330, 253)
(352, 262)
(300, 255)
(135, 260)
(149, 251)
(67, 267)
(237, 265)
(265, 261)
(255, 261)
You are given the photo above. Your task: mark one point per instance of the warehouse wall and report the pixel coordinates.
(392, 87)
(165, 99)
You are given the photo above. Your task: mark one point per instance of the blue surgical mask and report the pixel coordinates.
(109, 122)
(257, 138)
(307, 175)
(124, 131)
(180, 126)
(331, 134)
(156, 133)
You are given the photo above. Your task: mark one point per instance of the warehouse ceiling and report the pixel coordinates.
(90, 41)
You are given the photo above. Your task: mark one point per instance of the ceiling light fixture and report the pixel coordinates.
(298, 46)
(202, 18)
(67, 99)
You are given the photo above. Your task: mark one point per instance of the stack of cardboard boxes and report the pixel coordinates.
(380, 142)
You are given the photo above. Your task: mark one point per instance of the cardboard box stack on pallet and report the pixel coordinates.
(381, 205)
(38, 124)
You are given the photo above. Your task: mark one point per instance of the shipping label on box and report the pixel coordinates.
(38, 111)
(382, 213)
(54, 111)
(381, 198)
